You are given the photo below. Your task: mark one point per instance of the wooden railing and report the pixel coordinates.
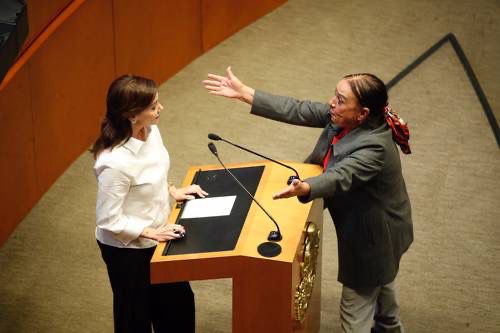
(53, 96)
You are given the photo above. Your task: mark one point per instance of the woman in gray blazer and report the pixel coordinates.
(362, 186)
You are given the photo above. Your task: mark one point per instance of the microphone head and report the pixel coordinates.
(213, 136)
(212, 148)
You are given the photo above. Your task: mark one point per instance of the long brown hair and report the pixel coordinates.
(127, 96)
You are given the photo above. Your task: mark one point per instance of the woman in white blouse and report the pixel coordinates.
(132, 209)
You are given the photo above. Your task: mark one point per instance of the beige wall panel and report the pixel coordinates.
(70, 74)
(158, 38)
(17, 171)
(222, 18)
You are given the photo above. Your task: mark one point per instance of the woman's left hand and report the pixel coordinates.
(296, 188)
(186, 193)
(164, 233)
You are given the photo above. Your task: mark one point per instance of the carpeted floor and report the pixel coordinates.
(52, 278)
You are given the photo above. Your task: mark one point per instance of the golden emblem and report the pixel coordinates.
(307, 271)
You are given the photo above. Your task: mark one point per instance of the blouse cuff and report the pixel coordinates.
(131, 232)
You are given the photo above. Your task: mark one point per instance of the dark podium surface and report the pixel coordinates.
(220, 233)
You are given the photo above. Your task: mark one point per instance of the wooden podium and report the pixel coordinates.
(276, 294)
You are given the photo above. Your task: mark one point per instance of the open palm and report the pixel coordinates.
(227, 86)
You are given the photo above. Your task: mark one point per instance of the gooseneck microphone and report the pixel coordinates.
(273, 235)
(215, 137)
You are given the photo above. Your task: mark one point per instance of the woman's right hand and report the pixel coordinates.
(229, 86)
(164, 233)
(186, 193)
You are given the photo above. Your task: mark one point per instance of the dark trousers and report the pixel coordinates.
(137, 304)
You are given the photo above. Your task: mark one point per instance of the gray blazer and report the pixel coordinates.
(362, 187)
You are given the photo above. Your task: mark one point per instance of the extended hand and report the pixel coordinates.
(228, 86)
(296, 188)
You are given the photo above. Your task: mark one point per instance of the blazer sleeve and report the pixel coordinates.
(357, 168)
(290, 110)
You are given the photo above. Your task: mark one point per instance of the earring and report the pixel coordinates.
(133, 120)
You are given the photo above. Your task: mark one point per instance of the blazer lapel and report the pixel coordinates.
(345, 145)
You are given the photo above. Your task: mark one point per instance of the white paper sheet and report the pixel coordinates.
(208, 207)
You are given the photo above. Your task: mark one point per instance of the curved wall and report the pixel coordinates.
(53, 97)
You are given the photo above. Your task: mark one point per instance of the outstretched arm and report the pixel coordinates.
(229, 86)
(356, 169)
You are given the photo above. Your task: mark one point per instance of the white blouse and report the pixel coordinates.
(132, 191)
